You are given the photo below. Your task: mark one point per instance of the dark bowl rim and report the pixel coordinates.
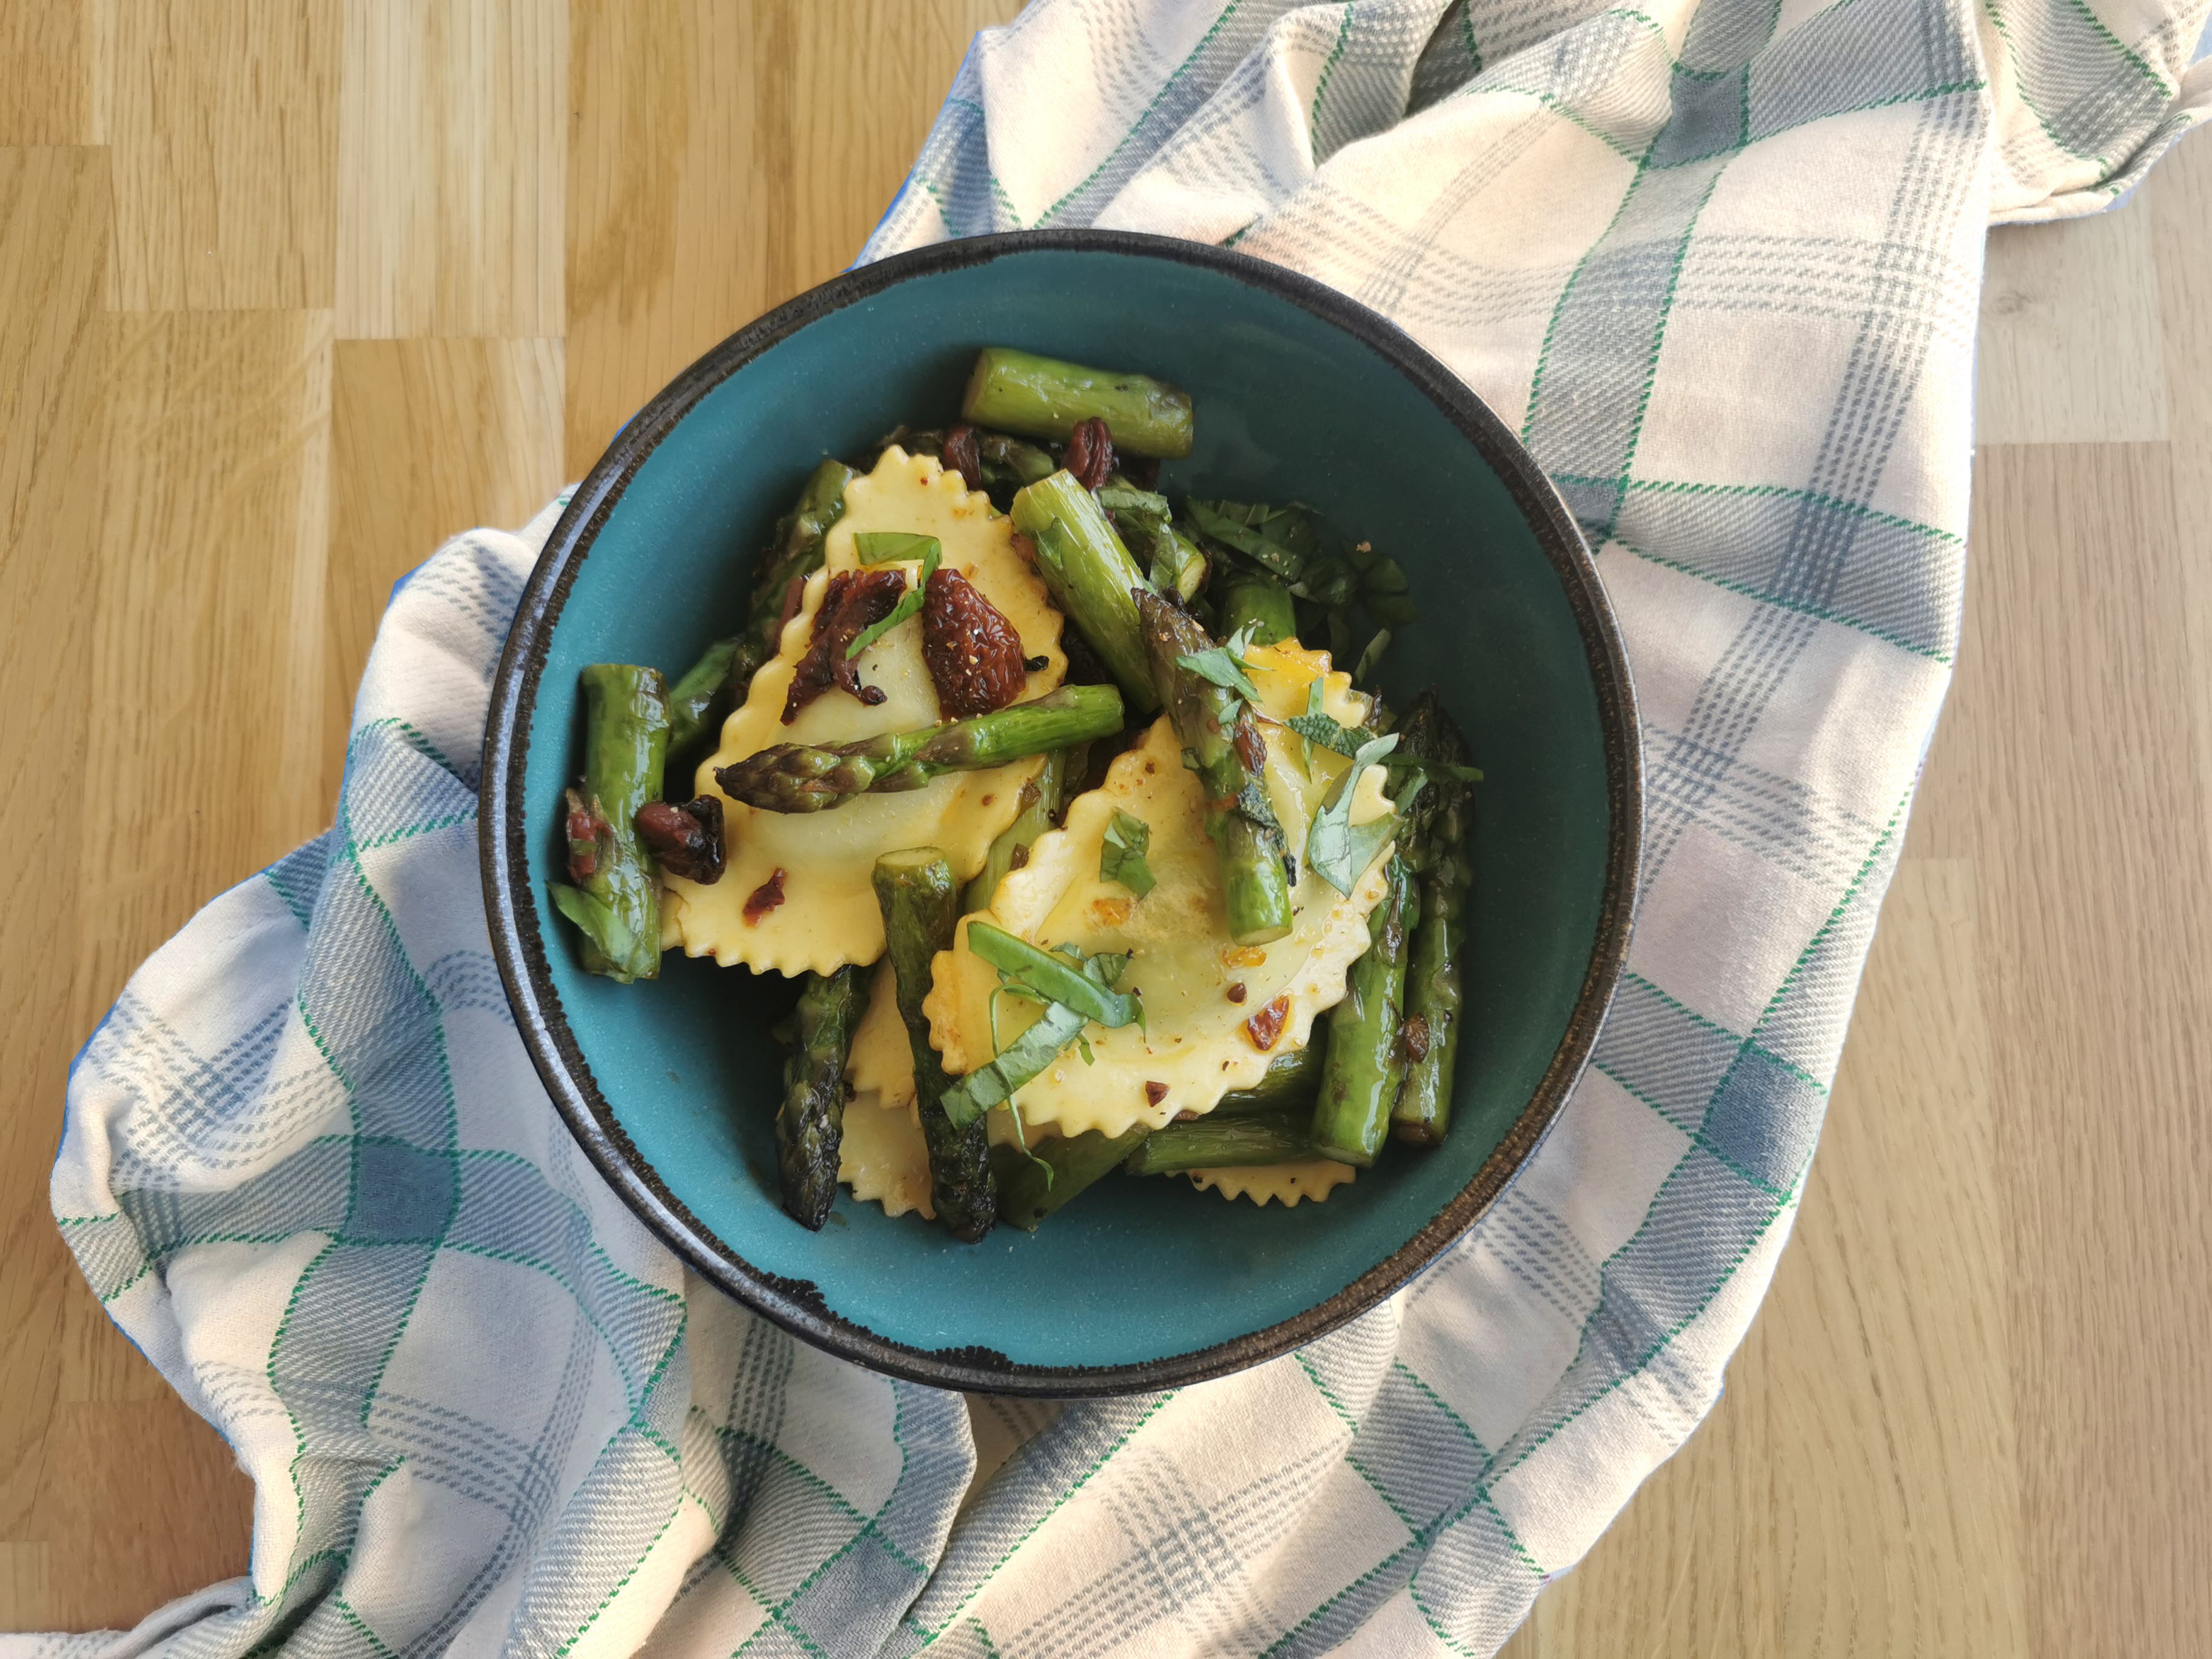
(798, 1305)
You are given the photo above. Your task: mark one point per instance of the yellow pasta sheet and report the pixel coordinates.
(1199, 989)
(829, 915)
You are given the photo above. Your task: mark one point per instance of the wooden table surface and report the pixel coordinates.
(288, 292)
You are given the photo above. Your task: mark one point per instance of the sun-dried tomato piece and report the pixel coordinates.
(684, 840)
(855, 600)
(1266, 1027)
(962, 456)
(764, 897)
(1155, 1093)
(587, 830)
(1091, 452)
(975, 656)
(794, 595)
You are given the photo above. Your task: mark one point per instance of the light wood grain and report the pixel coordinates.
(45, 94)
(451, 159)
(721, 158)
(54, 256)
(221, 118)
(292, 289)
(2071, 341)
(483, 420)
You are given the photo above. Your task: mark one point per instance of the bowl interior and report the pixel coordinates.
(1290, 406)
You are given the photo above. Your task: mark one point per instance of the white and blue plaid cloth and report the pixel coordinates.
(1718, 262)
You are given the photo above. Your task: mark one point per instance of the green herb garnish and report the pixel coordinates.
(1080, 984)
(1324, 731)
(1280, 540)
(1384, 588)
(1122, 854)
(909, 604)
(1328, 733)
(994, 1082)
(1337, 851)
(1089, 979)
(1372, 656)
(882, 546)
(1223, 664)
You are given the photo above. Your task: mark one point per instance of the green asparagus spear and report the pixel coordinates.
(616, 901)
(1248, 599)
(1291, 1080)
(799, 777)
(1361, 1076)
(1434, 989)
(810, 1123)
(1145, 523)
(1027, 1197)
(1255, 884)
(1090, 575)
(1023, 464)
(1044, 797)
(1214, 1143)
(1044, 398)
(794, 551)
(699, 702)
(921, 906)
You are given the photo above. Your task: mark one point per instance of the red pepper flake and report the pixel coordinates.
(1236, 992)
(1019, 858)
(764, 897)
(1266, 1027)
(1155, 1093)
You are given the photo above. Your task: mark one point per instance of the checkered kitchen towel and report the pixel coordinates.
(1718, 262)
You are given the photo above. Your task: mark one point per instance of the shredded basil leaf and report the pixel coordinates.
(1280, 540)
(909, 604)
(1372, 656)
(994, 1082)
(1384, 588)
(1223, 664)
(1122, 854)
(882, 546)
(1331, 734)
(1328, 733)
(1127, 498)
(1080, 985)
(1333, 845)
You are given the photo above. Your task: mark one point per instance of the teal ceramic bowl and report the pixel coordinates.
(671, 1087)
